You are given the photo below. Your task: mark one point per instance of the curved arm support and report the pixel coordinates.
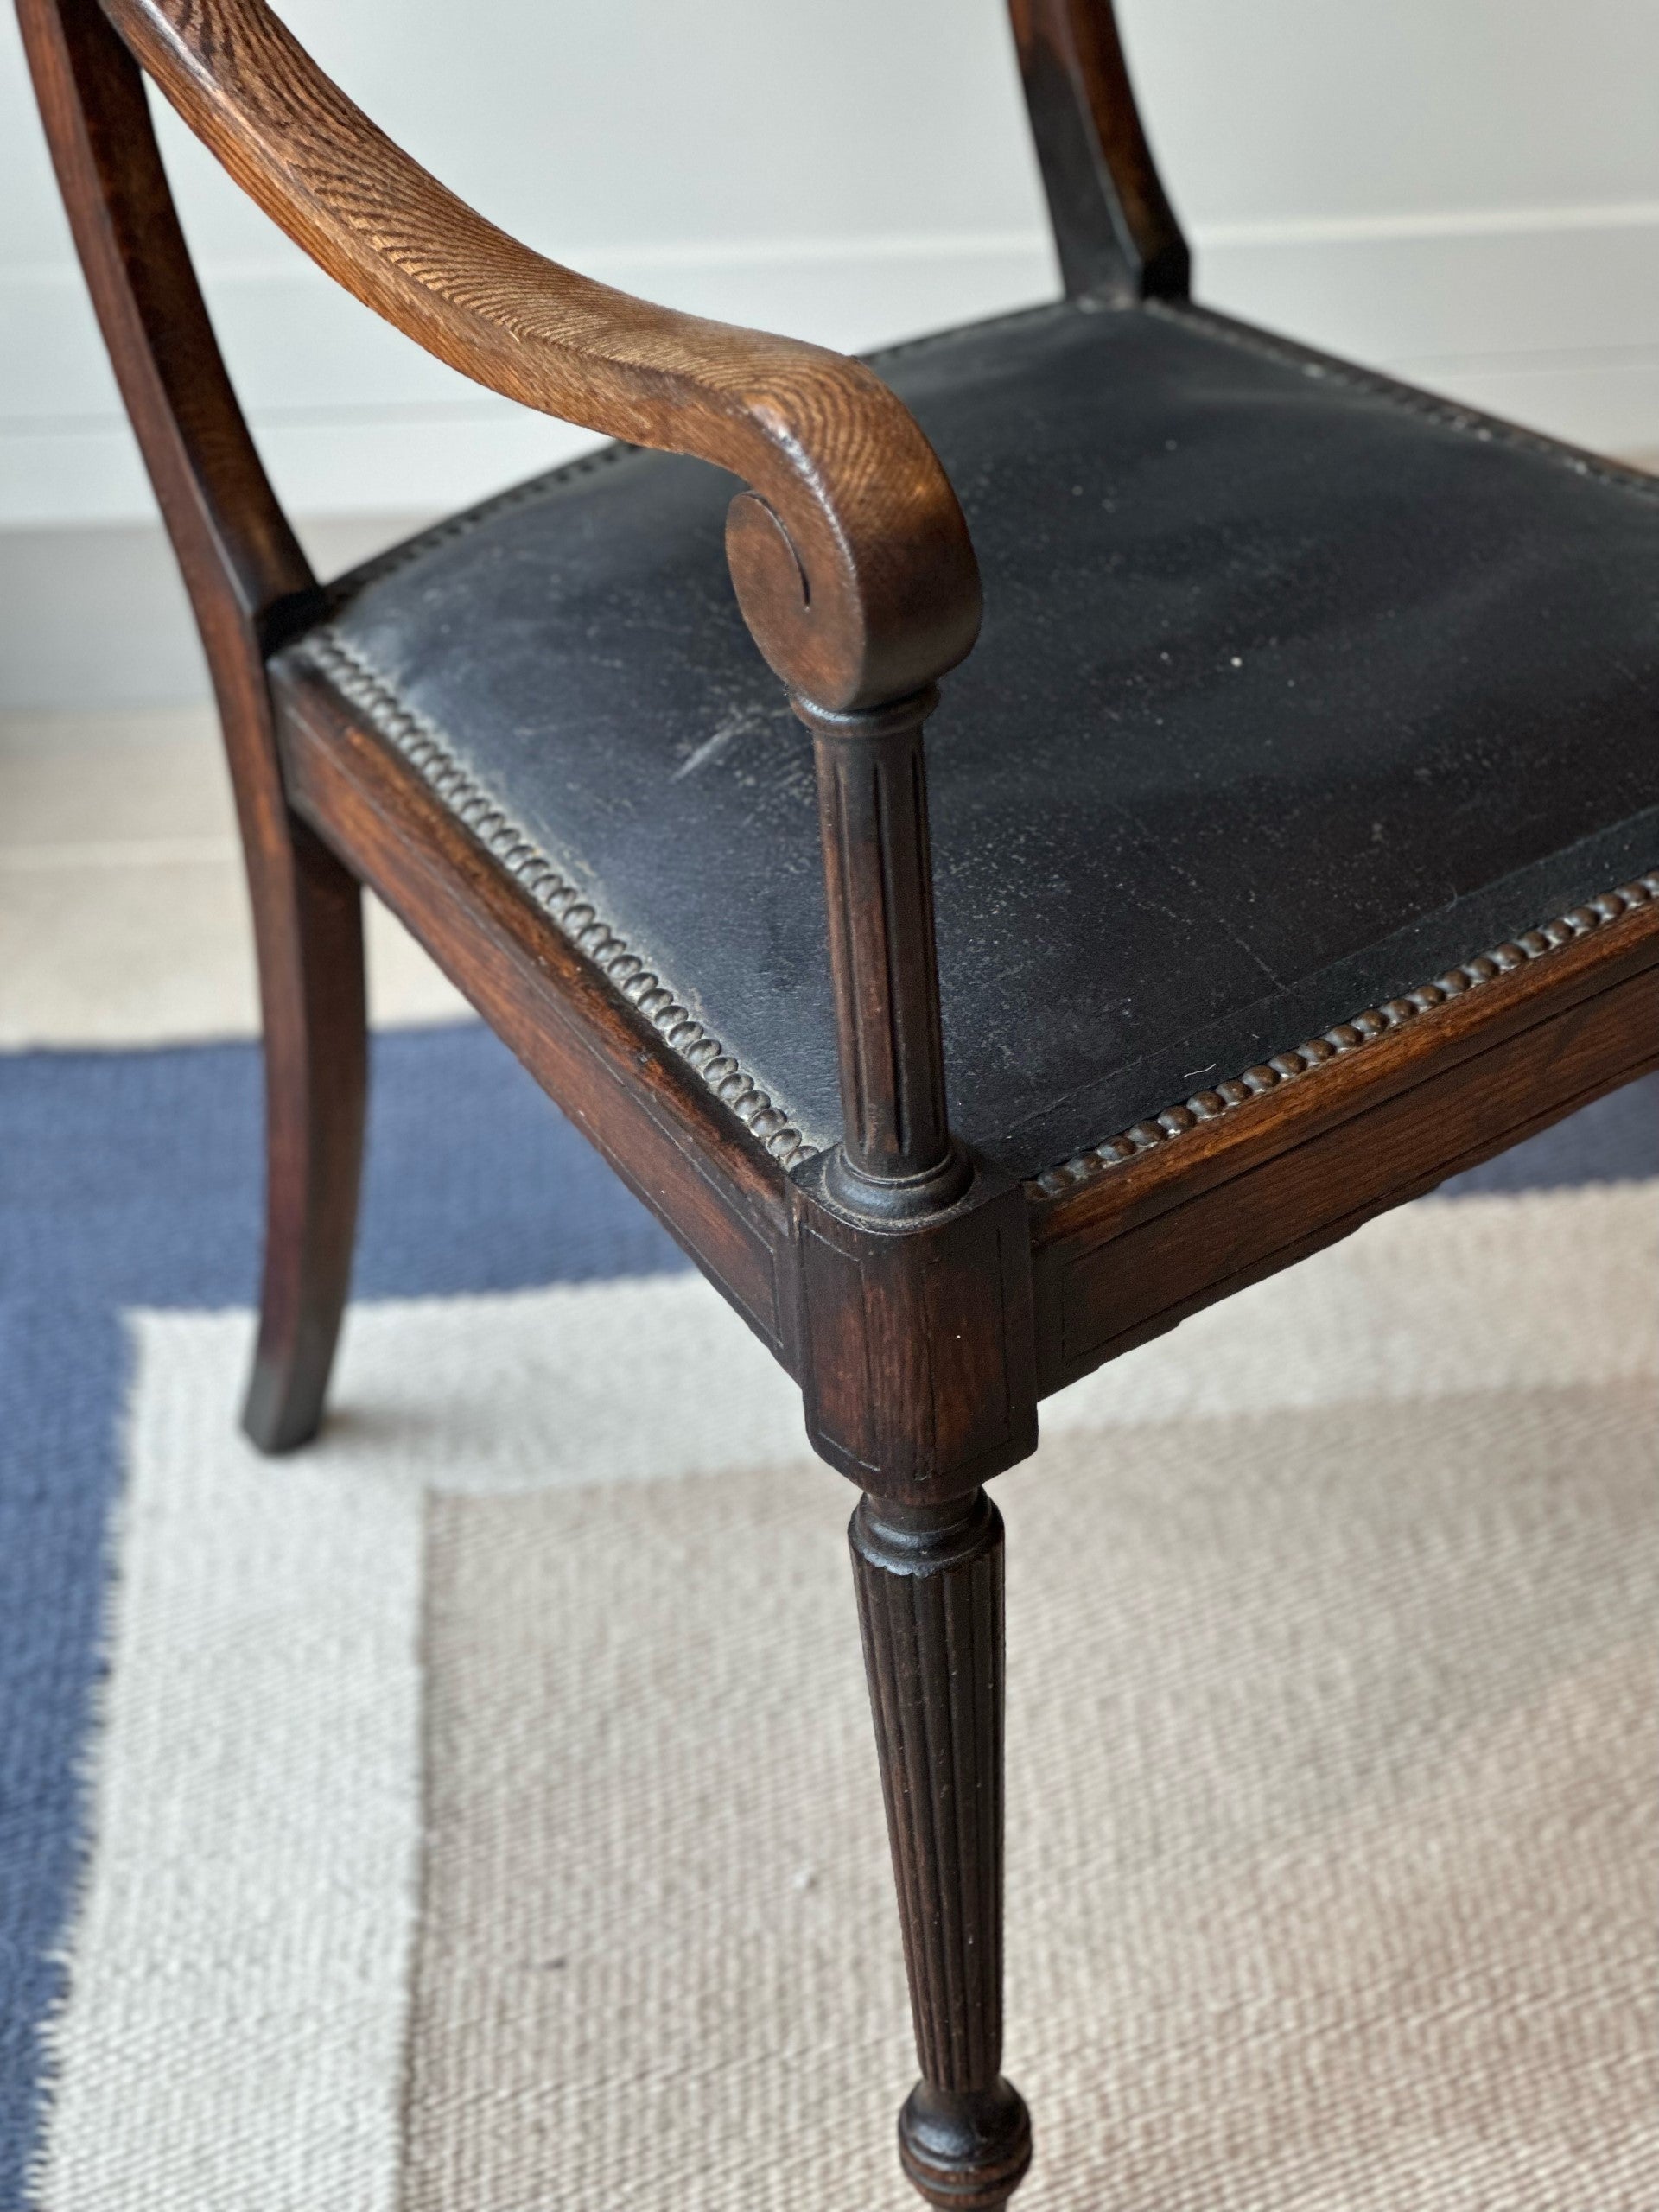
(850, 557)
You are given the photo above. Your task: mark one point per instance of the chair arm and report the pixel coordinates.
(850, 554)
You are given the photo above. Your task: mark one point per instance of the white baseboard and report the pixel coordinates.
(1550, 317)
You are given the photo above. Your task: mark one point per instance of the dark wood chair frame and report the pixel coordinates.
(924, 1301)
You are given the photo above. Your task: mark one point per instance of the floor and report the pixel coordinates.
(122, 910)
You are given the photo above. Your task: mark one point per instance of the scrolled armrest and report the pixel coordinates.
(850, 554)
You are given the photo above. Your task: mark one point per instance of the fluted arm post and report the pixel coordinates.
(896, 1159)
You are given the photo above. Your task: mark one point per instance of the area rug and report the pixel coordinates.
(477, 1813)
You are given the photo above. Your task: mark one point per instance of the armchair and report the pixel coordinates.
(1297, 819)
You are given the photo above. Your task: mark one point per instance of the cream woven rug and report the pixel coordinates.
(487, 1816)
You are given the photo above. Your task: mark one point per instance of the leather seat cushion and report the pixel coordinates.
(1292, 693)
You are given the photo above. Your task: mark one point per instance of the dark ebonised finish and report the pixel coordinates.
(896, 1161)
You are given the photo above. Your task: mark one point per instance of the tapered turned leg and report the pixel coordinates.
(930, 1598)
(308, 924)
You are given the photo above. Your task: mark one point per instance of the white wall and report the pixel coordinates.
(1465, 189)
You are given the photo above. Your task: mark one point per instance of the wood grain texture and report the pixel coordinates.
(248, 581)
(913, 1343)
(1115, 229)
(931, 1607)
(1120, 1259)
(852, 559)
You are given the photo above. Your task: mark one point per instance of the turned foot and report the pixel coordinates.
(969, 2151)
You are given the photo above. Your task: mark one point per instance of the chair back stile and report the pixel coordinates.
(242, 564)
(1117, 235)
(251, 586)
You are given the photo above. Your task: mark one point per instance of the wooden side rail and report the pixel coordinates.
(1116, 232)
(850, 556)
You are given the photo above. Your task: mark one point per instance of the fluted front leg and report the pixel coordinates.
(930, 1597)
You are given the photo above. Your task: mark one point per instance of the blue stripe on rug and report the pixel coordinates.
(132, 1178)
(62, 1374)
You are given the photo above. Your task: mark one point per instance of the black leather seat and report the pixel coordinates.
(1273, 656)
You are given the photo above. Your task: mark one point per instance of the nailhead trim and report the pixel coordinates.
(422, 746)
(1349, 1036)
(1327, 368)
(363, 683)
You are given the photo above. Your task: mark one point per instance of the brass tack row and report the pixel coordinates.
(422, 745)
(1349, 1036)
